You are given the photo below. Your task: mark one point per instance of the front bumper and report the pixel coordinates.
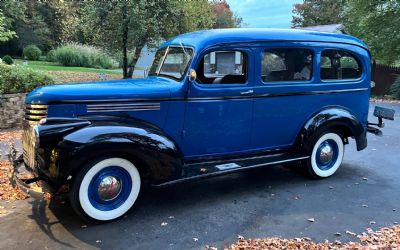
(20, 176)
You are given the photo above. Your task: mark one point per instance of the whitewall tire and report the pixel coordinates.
(326, 156)
(105, 189)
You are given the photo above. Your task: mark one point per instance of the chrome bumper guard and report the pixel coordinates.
(34, 187)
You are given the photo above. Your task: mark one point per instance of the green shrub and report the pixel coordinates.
(8, 60)
(68, 56)
(395, 88)
(19, 79)
(83, 56)
(32, 52)
(51, 57)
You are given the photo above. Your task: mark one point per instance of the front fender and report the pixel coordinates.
(156, 155)
(336, 118)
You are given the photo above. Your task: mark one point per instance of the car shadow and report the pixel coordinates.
(186, 201)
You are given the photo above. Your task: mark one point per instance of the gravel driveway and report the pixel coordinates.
(273, 201)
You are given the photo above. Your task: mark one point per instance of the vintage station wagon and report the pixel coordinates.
(214, 102)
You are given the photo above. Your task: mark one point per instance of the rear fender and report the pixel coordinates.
(338, 119)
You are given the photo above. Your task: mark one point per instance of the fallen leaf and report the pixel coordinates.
(350, 233)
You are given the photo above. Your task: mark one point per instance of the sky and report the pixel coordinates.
(264, 13)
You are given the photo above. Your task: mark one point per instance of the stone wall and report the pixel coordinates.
(11, 110)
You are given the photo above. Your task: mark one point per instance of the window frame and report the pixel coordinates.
(347, 80)
(167, 48)
(292, 82)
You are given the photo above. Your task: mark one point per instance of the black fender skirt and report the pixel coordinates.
(333, 118)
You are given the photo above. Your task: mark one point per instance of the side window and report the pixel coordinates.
(337, 64)
(286, 65)
(223, 67)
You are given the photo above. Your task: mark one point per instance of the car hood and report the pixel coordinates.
(149, 88)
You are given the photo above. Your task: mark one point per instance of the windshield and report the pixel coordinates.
(171, 62)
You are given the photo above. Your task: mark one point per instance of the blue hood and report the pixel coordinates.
(150, 88)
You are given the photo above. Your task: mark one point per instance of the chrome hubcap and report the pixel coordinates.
(109, 188)
(326, 154)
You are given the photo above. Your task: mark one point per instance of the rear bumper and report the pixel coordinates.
(19, 176)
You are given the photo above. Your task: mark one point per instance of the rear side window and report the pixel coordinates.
(338, 64)
(286, 65)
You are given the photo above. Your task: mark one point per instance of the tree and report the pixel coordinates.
(317, 12)
(224, 17)
(5, 33)
(194, 15)
(376, 22)
(125, 27)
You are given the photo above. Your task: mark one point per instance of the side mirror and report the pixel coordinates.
(192, 75)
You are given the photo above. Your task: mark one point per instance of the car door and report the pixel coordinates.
(284, 79)
(218, 117)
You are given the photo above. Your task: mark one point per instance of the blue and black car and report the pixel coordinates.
(214, 102)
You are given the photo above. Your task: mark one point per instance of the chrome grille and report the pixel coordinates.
(28, 144)
(34, 113)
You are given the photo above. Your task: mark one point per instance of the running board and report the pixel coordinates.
(215, 168)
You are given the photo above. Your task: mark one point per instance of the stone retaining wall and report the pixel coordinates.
(11, 110)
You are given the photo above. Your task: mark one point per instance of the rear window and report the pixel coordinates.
(338, 64)
(286, 65)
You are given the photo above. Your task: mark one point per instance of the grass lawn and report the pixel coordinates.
(53, 66)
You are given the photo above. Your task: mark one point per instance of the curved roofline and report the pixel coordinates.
(206, 38)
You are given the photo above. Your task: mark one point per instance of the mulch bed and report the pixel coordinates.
(385, 238)
(9, 136)
(379, 100)
(7, 192)
(72, 76)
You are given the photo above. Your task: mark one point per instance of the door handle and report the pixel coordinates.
(247, 92)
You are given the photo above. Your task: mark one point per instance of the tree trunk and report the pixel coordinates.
(134, 60)
(125, 46)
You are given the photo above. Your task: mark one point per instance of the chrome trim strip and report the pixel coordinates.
(231, 170)
(122, 104)
(121, 107)
(216, 98)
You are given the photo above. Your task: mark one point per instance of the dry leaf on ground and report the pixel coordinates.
(9, 136)
(7, 192)
(386, 238)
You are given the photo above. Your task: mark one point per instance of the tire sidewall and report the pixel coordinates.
(79, 193)
(314, 170)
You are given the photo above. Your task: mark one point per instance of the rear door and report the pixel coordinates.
(284, 76)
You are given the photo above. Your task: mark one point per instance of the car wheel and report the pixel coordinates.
(106, 189)
(326, 155)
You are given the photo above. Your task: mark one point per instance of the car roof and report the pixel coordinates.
(205, 38)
